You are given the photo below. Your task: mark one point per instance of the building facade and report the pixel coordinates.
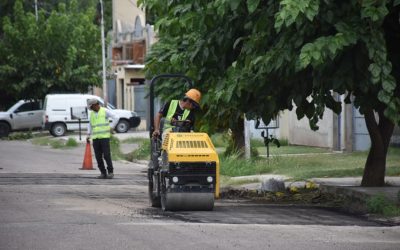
(131, 39)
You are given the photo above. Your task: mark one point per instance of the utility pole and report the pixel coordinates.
(247, 146)
(36, 11)
(103, 54)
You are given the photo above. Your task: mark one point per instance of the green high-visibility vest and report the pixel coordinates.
(100, 124)
(171, 111)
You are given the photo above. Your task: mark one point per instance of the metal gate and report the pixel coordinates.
(361, 140)
(141, 103)
(111, 91)
(139, 100)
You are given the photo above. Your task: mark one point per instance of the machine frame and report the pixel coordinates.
(190, 182)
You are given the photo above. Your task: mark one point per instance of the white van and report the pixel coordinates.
(60, 114)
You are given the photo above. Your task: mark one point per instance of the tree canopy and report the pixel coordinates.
(59, 52)
(262, 57)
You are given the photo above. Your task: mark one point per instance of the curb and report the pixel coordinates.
(355, 201)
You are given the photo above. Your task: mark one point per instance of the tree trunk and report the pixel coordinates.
(380, 134)
(237, 144)
(238, 137)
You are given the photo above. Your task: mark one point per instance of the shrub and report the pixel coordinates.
(220, 140)
(71, 143)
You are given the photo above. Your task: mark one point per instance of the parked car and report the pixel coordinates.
(60, 113)
(24, 115)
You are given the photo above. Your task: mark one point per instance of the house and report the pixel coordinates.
(130, 39)
(344, 132)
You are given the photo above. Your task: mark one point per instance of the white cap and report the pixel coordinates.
(92, 101)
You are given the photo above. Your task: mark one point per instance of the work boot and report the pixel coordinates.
(110, 175)
(102, 176)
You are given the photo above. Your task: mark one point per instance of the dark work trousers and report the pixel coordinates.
(102, 150)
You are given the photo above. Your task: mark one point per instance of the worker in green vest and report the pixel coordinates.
(177, 110)
(99, 130)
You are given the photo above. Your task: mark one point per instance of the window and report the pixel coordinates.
(28, 106)
(138, 32)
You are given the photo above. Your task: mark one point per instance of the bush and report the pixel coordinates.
(71, 143)
(220, 140)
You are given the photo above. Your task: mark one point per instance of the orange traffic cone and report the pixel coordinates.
(87, 160)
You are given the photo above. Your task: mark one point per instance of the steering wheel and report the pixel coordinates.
(181, 126)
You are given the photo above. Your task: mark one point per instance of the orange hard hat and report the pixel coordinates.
(194, 95)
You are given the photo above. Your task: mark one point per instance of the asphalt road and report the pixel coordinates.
(46, 202)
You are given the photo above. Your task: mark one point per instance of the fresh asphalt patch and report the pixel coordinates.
(69, 179)
(132, 194)
(247, 212)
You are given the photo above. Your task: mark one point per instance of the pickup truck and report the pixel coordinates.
(24, 115)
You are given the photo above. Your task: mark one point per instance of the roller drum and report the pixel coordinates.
(187, 201)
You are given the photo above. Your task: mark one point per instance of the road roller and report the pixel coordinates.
(183, 172)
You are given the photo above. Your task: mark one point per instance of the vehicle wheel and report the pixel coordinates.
(4, 129)
(155, 199)
(58, 129)
(122, 126)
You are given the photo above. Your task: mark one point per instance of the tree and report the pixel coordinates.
(262, 57)
(60, 52)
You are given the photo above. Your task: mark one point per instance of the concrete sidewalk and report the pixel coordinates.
(356, 196)
(351, 187)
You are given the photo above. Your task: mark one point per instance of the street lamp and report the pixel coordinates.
(103, 54)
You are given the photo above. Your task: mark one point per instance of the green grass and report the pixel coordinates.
(19, 136)
(71, 142)
(116, 153)
(55, 143)
(260, 143)
(227, 181)
(141, 153)
(308, 166)
(297, 167)
(234, 166)
(311, 165)
(292, 149)
(379, 204)
(134, 140)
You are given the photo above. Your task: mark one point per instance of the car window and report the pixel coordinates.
(110, 106)
(24, 107)
(28, 106)
(36, 106)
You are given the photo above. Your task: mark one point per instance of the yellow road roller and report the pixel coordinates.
(183, 172)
